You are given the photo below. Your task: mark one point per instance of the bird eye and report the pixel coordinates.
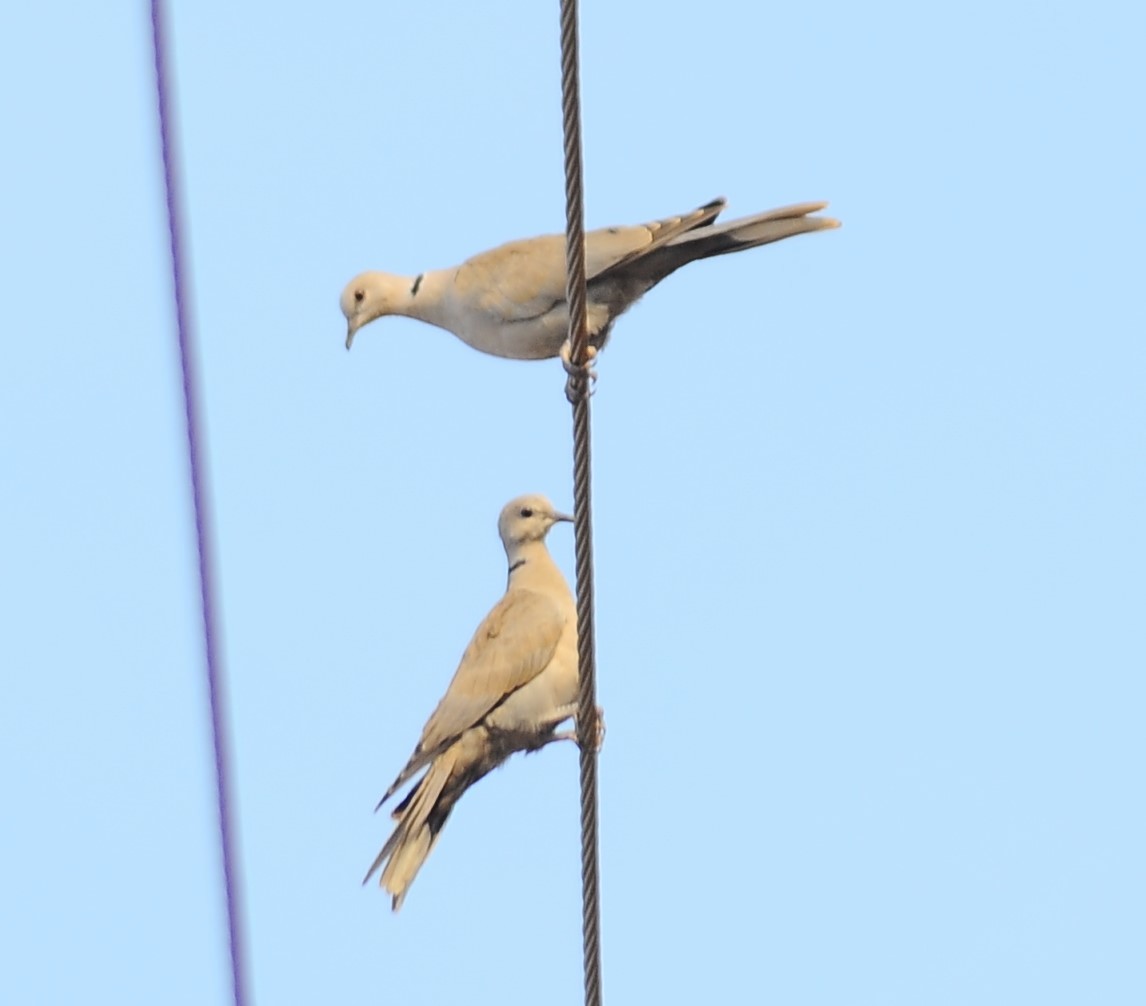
(526, 512)
(359, 295)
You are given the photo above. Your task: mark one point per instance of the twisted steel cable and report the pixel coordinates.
(577, 391)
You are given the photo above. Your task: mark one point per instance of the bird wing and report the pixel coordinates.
(515, 282)
(512, 646)
(614, 247)
(524, 280)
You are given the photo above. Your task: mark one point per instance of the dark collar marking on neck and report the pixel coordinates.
(417, 284)
(516, 565)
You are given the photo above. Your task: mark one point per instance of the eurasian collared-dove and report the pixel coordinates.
(511, 301)
(517, 681)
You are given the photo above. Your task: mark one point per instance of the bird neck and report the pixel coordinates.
(420, 297)
(530, 563)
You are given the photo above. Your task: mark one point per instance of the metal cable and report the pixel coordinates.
(203, 517)
(577, 391)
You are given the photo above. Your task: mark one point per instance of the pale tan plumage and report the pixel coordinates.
(516, 682)
(510, 301)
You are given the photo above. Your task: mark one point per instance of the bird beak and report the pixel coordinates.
(562, 517)
(351, 328)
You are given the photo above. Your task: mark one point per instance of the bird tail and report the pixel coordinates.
(420, 817)
(748, 232)
(423, 812)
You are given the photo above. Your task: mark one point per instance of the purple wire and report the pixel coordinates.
(203, 523)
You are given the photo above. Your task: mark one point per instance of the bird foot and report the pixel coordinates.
(580, 377)
(598, 740)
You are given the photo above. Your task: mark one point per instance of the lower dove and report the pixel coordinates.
(510, 301)
(515, 684)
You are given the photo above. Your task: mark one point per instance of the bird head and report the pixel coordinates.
(527, 518)
(368, 296)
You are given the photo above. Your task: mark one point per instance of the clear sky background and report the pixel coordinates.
(869, 504)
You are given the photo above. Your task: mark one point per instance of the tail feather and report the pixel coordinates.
(748, 232)
(622, 284)
(421, 816)
(423, 812)
(405, 864)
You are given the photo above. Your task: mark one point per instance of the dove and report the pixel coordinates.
(510, 301)
(515, 684)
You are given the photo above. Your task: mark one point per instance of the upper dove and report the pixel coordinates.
(510, 301)
(517, 681)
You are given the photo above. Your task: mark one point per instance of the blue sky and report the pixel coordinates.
(868, 504)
